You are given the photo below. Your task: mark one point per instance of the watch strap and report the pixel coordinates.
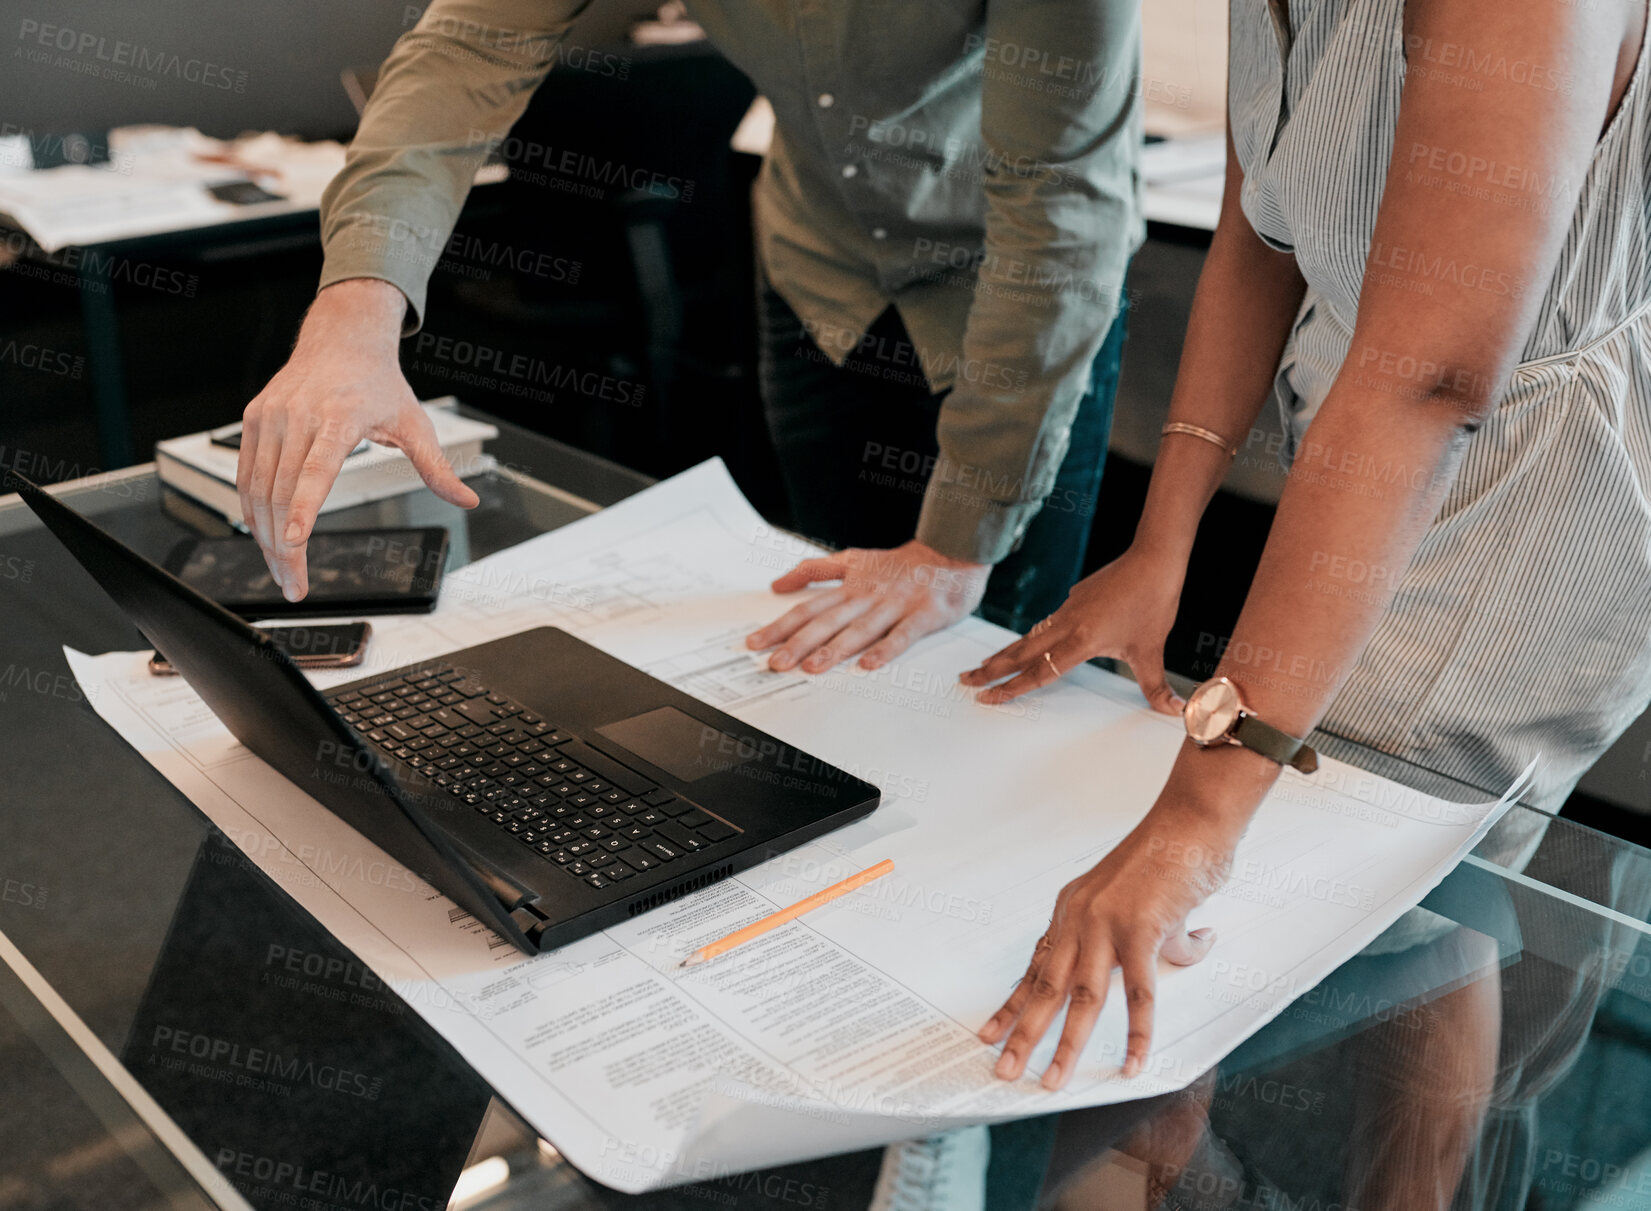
(1278, 746)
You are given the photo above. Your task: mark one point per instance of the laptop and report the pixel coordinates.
(549, 789)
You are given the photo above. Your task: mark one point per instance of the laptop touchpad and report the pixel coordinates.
(682, 746)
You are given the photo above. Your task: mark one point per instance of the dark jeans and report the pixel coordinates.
(857, 441)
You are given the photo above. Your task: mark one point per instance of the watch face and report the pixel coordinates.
(1212, 710)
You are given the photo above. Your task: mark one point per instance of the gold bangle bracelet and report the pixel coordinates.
(1209, 435)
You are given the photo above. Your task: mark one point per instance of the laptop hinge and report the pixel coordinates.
(510, 894)
(529, 919)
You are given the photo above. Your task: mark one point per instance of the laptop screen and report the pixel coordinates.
(269, 706)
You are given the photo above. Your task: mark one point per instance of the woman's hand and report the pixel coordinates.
(1124, 610)
(1126, 912)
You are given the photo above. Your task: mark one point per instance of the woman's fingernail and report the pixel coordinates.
(1207, 933)
(1052, 1076)
(1005, 1065)
(987, 1030)
(289, 591)
(781, 659)
(1132, 1067)
(294, 533)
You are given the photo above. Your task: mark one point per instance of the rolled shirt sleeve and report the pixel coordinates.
(1061, 123)
(448, 95)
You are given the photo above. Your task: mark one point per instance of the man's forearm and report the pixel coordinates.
(365, 311)
(1061, 220)
(454, 84)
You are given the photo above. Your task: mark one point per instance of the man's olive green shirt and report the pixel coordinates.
(972, 164)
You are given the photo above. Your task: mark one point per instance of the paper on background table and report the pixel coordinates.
(156, 182)
(852, 1026)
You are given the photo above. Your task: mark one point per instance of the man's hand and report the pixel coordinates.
(342, 384)
(887, 601)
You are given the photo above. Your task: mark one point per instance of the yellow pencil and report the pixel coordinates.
(774, 920)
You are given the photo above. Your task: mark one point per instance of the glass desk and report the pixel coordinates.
(1501, 1059)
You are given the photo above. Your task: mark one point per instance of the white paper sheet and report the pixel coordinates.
(854, 1025)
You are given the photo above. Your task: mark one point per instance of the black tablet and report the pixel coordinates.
(351, 572)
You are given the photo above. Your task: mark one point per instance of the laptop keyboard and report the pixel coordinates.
(577, 808)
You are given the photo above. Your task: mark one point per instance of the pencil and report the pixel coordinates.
(774, 920)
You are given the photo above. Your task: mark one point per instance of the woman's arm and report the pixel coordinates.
(1484, 171)
(1246, 300)
(1479, 177)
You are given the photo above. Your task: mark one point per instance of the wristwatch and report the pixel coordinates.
(1215, 714)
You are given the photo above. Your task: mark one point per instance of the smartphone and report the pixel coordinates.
(243, 193)
(334, 646)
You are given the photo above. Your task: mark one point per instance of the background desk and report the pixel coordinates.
(145, 920)
(289, 224)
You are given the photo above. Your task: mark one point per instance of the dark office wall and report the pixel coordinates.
(225, 67)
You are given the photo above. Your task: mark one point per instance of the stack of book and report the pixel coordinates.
(202, 466)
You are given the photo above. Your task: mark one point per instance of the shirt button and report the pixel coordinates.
(827, 100)
(850, 170)
(879, 233)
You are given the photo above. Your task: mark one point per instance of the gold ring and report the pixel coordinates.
(1050, 661)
